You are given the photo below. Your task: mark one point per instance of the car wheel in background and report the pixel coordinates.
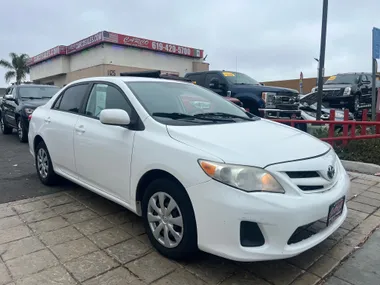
(44, 165)
(169, 219)
(6, 130)
(22, 134)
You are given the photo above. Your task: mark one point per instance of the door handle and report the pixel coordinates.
(80, 129)
(47, 120)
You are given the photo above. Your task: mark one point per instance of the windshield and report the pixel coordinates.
(343, 79)
(239, 78)
(183, 101)
(38, 92)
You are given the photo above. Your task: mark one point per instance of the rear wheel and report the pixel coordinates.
(44, 165)
(6, 130)
(169, 219)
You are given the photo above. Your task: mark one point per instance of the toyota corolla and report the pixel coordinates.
(211, 177)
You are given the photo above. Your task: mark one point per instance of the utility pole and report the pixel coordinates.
(322, 58)
(317, 60)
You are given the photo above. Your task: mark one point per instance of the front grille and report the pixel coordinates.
(302, 174)
(309, 181)
(332, 92)
(307, 231)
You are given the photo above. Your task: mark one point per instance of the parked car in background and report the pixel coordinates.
(308, 106)
(19, 103)
(264, 101)
(193, 165)
(348, 90)
(158, 74)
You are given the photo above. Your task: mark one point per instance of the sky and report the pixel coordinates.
(268, 40)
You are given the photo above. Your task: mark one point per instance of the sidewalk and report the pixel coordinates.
(363, 267)
(77, 237)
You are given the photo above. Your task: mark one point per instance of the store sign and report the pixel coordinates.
(151, 45)
(85, 43)
(119, 39)
(59, 50)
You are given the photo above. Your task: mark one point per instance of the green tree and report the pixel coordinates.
(17, 67)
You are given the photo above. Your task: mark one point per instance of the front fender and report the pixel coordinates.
(250, 97)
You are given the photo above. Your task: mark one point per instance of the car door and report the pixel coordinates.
(365, 89)
(59, 127)
(221, 89)
(103, 153)
(10, 107)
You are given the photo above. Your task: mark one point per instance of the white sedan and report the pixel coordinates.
(201, 172)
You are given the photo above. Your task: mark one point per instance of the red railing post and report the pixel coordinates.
(363, 128)
(345, 126)
(332, 126)
(377, 126)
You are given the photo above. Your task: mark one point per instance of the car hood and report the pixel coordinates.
(260, 88)
(34, 103)
(335, 86)
(258, 143)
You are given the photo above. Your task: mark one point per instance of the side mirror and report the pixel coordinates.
(9, 97)
(115, 117)
(214, 83)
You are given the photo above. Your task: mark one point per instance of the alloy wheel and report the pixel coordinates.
(42, 163)
(2, 124)
(165, 219)
(356, 104)
(19, 129)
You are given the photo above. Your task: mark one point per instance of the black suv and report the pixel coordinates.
(257, 98)
(348, 90)
(18, 104)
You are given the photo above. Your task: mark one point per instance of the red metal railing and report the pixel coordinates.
(347, 132)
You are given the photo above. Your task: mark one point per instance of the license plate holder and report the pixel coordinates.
(335, 210)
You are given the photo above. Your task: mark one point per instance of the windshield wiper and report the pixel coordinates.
(179, 116)
(31, 97)
(224, 115)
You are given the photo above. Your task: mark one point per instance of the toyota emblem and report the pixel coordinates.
(330, 172)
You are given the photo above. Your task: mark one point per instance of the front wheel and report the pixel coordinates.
(44, 165)
(355, 104)
(6, 130)
(21, 131)
(169, 219)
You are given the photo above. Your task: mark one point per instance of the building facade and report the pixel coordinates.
(108, 54)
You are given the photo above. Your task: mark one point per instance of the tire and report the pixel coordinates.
(44, 165)
(185, 247)
(21, 132)
(355, 103)
(6, 130)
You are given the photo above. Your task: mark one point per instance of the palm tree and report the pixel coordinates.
(17, 67)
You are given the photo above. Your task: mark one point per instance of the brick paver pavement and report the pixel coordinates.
(77, 237)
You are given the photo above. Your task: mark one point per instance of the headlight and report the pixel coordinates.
(28, 111)
(269, 99)
(347, 91)
(246, 178)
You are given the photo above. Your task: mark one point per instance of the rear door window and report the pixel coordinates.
(72, 99)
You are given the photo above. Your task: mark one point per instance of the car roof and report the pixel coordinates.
(117, 79)
(33, 85)
(353, 73)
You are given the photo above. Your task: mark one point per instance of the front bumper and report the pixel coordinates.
(220, 209)
(338, 101)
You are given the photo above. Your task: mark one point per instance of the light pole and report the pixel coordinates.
(322, 58)
(317, 60)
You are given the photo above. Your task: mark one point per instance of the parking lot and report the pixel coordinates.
(67, 235)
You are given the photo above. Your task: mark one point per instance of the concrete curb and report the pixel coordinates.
(361, 167)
